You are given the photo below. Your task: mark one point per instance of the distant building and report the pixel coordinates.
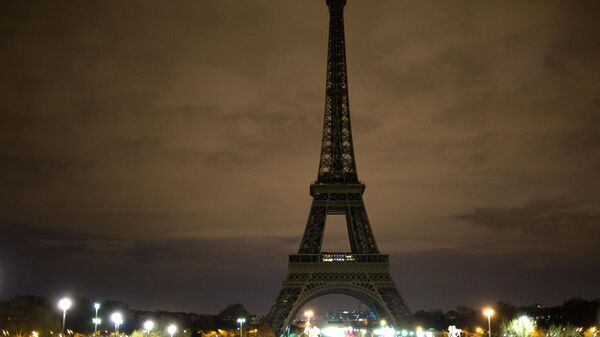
(351, 316)
(28, 313)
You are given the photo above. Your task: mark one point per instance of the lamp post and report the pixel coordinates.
(172, 329)
(241, 321)
(64, 304)
(148, 326)
(116, 318)
(489, 312)
(96, 320)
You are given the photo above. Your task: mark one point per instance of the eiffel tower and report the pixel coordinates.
(363, 272)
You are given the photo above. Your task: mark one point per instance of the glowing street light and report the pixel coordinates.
(419, 332)
(489, 312)
(96, 320)
(116, 318)
(383, 323)
(308, 314)
(172, 329)
(148, 325)
(241, 321)
(64, 304)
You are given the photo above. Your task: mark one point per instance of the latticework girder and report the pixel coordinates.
(362, 272)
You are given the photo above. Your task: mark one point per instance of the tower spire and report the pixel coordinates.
(337, 164)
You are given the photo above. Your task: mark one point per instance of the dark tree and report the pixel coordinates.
(436, 319)
(231, 313)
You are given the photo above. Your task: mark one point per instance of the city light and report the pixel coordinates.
(96, 320)
(117, 319)
(308, 314)
(64, 304)
(148, 325)
(522, 326)
(241, 320)
(419, 332)
(387, 331)
(489, 312)
(331, 331)
(171, 329)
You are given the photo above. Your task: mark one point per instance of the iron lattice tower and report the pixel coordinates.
(363, 272)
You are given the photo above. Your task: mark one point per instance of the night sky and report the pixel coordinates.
(160, 153)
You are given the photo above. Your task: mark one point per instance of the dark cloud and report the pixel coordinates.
(551, 233)
(28, 243)
(540, 217)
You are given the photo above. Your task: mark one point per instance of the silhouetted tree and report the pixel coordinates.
(231, 313)
(436, 319)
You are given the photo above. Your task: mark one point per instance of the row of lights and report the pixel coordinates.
(116, 317)
(487, 312)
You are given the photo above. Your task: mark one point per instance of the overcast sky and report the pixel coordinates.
(161, 152)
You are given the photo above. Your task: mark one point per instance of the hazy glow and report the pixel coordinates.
(116, 318)
(522, 326)
(488, 312)
(148, 325)
(172, 329)
(331, 331)
(420, 332)
(65, 303)
(387, 332)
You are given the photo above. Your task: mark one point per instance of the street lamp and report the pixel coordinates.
(148, 325)
(489, 312)
(64, 304)
(308, 314)
(96, 320)
(172, 329)
(116, 318)
(241, 321)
